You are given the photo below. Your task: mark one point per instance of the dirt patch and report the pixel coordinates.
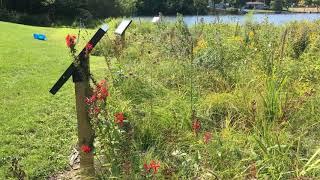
(67, 175)
(73, 173)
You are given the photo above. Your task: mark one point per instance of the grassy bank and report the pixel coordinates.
(36, 127)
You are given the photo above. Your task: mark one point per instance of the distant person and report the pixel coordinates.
(160, 16)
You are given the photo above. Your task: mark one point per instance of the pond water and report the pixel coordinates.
(272, 18)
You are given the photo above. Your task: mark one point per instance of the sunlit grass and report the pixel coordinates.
(36, 126)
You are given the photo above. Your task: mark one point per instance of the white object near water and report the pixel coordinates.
(156, 19)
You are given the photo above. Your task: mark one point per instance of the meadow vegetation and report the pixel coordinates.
(253, 88)
(212, 101)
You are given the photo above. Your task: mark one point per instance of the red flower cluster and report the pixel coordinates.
(119, 118)
(86, 148)
(71, 40)
(89, 48)
(207, 137)
(95, 111)
(101, 91)
(91, 100)
(196, 125)
(153, 165)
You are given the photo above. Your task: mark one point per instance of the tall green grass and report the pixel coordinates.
(253, 86)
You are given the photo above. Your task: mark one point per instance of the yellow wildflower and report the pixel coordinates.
(201, 44)
(251, 34)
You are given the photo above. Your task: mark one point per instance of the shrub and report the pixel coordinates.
(37, 20)
(10, 16)
(276, 5)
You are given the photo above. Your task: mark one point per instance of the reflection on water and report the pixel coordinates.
(272, 18)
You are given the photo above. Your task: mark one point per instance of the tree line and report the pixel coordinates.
(86, 9)
(46, 12)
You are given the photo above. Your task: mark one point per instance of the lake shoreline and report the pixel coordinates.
(274, 18)
(246, 11)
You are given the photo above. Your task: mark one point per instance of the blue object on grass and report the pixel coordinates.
(40, 37)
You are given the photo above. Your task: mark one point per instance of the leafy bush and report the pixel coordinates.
(11, 16)
(37, 20)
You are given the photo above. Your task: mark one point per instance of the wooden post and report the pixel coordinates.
(80, 72)
(121, 41)
(85, 131)
(121, 33)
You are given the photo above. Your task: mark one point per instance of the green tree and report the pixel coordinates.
(287, 3)
(316, 3)
(50, 5)
(308, 2)
(200, 5)
(127, 7)
(277, 5)
(151, 7)
(1, 4)
(103, 8)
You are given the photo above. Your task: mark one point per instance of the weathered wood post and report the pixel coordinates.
(121, 32)
(85, 131)
(80, 71)
(120, 41)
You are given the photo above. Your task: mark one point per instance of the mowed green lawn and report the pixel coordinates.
(36, 126)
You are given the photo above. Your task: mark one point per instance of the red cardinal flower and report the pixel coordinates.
(86, 148)
(196, 125)
(207, 137)
(119, 118)
(87, 101)
(155, 166)
(96, 110)
(89, 48)
(102, 90)
(102, 83)
(71, 40)
(146, 167)
(103, 93)
(91, 100)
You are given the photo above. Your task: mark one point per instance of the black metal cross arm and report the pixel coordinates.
(72, 68)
